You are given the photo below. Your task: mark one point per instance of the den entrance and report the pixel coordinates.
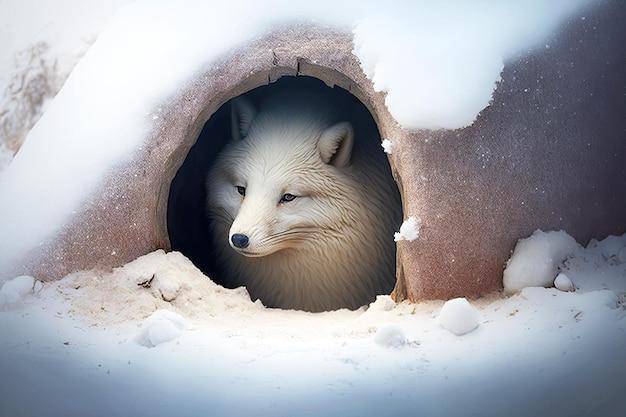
(325, 240)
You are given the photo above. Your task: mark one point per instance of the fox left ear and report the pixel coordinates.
(242, 115)
(335, 144)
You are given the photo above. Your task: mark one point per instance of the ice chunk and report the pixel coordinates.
(563, 283)
(458, 316)
(409, 230)
(535, 261)
(390, 335)
(387, 146)
(162, 326)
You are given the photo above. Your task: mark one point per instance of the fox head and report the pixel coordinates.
(283, 182)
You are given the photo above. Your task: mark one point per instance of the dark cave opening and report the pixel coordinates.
(188, 223)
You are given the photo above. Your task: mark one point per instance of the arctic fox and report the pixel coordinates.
(301, 212)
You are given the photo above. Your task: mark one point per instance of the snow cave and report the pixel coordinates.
(187, 221)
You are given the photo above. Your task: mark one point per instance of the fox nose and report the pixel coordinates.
(240, 241)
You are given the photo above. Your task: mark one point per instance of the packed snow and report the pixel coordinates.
(438, 62)
(536, 260)
(458, 316)
(409, 229)
(156, 337)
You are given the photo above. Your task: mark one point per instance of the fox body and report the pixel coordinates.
(301, 212)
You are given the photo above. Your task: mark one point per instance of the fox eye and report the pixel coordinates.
(287, 198)
(241, 190)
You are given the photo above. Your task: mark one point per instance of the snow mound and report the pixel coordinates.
(409, 230)
(14, 290)
(152, 282)
(536, 259)
(458, 316)
(563, 283)
(162, 326)
(390, 335)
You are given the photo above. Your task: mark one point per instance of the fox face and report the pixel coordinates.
(282, 183)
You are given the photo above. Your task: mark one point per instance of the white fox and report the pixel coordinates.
(301, 213)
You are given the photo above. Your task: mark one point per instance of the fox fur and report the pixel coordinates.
(331, 246)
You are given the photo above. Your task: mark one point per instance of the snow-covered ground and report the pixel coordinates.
(108, 343)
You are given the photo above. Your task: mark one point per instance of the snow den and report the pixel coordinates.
(287, 191)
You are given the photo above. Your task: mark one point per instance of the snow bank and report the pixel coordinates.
(14, 290)
(409, 229)
(157, 281)
(536, 259)
(458, 316)
(438, 62)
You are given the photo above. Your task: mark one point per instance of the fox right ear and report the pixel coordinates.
(242, 114)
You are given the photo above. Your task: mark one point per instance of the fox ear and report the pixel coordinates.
(335, 144)
(242, 114)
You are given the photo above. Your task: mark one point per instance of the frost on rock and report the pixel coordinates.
(390, 335)
(409, 230)
(563, 283)
(536, 259)
(14, 290)
(387, 146)
(458, 316)
(162, 326)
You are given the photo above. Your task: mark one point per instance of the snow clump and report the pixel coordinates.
(162, 326)
(409, 230)
(14, 290)
(387, 146)
(563, 283)
(390, 335)
(458, 316)
(536, 259)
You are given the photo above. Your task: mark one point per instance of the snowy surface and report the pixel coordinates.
(40, 43)
(439, 63)
(81, 345)
(458, 316)
(409, 229)
(536, 259)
